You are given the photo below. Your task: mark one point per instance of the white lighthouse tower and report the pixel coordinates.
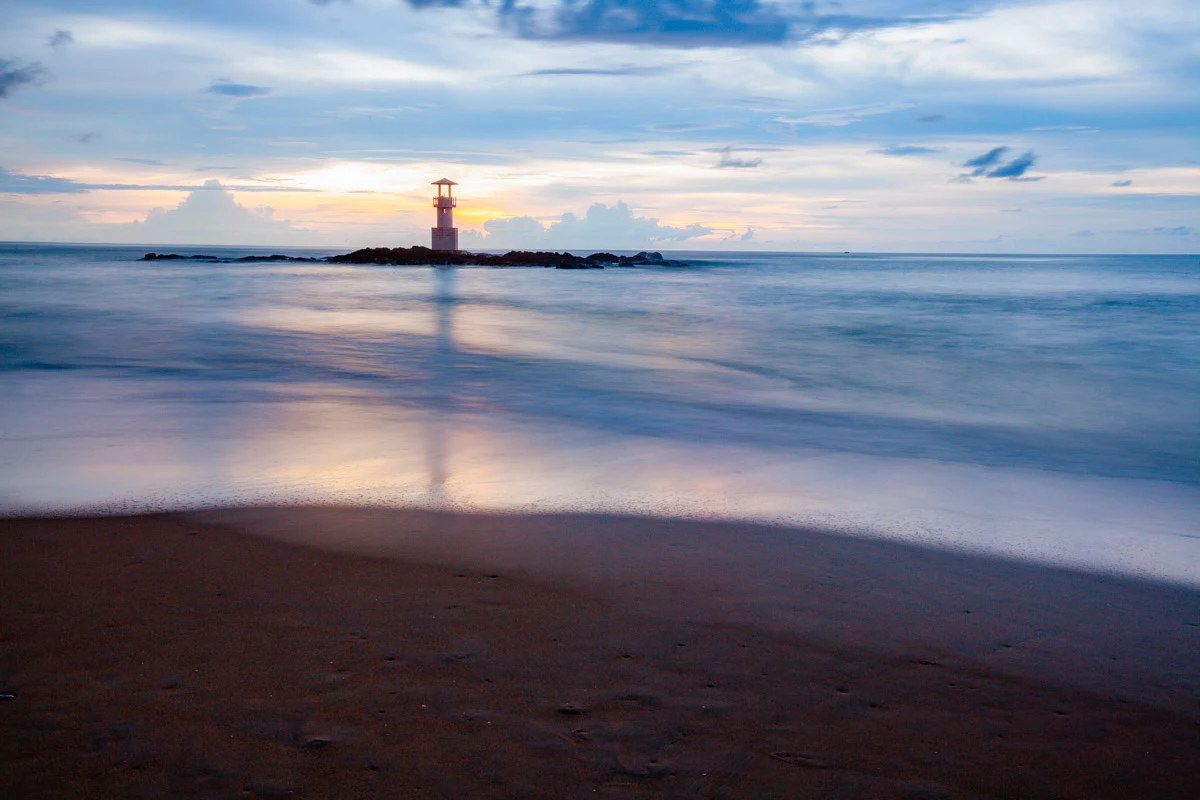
(445, 235)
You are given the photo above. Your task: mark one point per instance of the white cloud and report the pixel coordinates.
(208, 216)
(288, 61)
(1044, 43)
(839, 117)
(607, 227)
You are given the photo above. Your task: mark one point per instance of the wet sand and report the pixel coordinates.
(224, 655)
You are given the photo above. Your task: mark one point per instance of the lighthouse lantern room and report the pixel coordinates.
(445, 235)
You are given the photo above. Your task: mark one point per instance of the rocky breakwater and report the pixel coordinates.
(222, 259)
(423, 256)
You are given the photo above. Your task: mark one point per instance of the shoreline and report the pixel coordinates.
(223, 653)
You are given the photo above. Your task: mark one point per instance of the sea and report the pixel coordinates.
(1042, 408)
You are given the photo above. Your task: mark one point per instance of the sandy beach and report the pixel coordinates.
(224, 655)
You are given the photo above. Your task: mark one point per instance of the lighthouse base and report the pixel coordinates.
(445, 238)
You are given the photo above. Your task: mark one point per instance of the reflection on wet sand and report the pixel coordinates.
(442, 381)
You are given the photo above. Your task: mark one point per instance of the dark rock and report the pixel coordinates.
(220, 260)
(176, 257)
(423, 256)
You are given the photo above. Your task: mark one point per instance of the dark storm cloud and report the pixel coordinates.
(680, 23)
(228, 89)
(905, 150)
(13, 75)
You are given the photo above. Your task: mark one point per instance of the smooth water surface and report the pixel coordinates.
(1043, 407)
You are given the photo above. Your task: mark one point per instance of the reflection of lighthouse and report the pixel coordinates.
(445, 235)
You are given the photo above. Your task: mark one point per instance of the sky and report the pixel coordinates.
(865, 125)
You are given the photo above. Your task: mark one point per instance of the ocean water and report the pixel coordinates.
(1043, 408)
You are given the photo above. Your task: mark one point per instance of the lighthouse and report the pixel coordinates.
(445, 235)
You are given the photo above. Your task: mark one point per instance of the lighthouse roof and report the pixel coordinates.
(444, 182)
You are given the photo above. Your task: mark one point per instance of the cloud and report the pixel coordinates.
(688, 127)
(60, 39)
(839, 117)
(681, 22)
(988, 166)
(979, 164)
(16, 183)
(729, 162)
(515, 229)
(19, 183)
(1014, 169)
(1178, 230)
(211, 216)
(227, 89)
(677, 23)
(905, 150)
(597, 71)
(151, 161)
(686, 23)
(610, 227)
(13, 75)
(87, 138)
(604, 225)
(1123, 183)
(930, 118)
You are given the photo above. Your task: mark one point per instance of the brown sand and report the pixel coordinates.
(174, 656)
